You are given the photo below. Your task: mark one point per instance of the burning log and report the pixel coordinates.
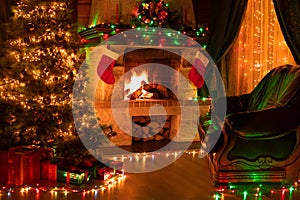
(150, 91)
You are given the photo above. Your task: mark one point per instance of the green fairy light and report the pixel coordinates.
(151, 22)
(245, 193)
(169, 34)
(201, 29)
(167, 4)
(204, 46)
(176, 42)
(217, 196)
(112, 26)
(198, 33)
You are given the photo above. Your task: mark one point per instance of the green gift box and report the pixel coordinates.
(75, 177)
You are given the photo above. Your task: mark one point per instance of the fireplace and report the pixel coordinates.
(149, 91)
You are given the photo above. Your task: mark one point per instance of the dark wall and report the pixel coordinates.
(4, 17)
(202, 11)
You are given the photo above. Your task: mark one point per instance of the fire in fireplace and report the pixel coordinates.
(138, 86)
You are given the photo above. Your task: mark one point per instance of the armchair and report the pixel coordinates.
(260, 138)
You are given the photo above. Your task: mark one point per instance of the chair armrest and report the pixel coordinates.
(263, 123)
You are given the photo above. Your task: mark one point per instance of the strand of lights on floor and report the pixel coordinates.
(249, 190)
(107, 185)
(221, 193)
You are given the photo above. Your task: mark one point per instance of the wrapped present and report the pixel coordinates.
(49, 171)
(24, 166)
(104, 173)
(75, 177)
(91, 166)
(3, 167)
(116, 165)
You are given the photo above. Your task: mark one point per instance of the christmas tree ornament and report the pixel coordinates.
(59, 119)
(11, 119)
(47, 100)
(46, 70)
(47, 27)
(30, 26)
(66, 89)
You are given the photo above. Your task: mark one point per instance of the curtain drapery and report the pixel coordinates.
(259, 48)
(288, 13)
(226, 17)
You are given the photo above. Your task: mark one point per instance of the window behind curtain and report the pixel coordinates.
(260, 46)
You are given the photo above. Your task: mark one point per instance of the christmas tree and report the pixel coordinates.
(38, 70)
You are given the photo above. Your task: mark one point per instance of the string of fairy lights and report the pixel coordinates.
(67, 59)
(228, 191)
(260, 45)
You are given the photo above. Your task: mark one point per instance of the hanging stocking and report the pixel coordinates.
(196, 74)
(106, 65)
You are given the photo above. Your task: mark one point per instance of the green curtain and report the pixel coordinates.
(288, 14)
(226, 18)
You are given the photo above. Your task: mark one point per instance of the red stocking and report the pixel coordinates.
(196, 74)
(106, 65)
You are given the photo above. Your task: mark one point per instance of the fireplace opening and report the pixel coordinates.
(147, 81)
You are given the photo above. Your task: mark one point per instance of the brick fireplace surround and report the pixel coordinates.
(140, 107)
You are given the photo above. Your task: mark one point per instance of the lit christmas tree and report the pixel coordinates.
(38, 70)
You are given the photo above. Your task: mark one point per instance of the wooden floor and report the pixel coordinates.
(186, 178)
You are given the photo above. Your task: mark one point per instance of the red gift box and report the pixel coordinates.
(3, 167)
(49, 171)
(105, 173)
(24, 166)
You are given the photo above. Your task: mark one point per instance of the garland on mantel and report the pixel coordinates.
(91, 36)
(151, 13)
